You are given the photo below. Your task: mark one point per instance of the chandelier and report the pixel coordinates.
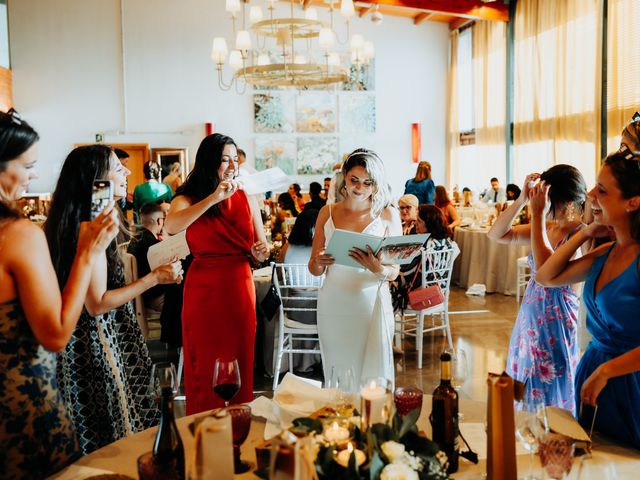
(283, 52)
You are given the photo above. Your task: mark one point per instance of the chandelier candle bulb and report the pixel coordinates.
(336, 434)
(347, 9)
(255, 14)
(233, 6)
(311, 14)
(325, 38)
(344, 455)
(243, 40)
(235, 60)
(219, 50)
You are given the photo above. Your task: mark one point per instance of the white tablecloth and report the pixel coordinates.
(121, 456)
(485, 261)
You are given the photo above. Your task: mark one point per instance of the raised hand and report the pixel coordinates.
(95, 236)
(529, 182)
(225, 189)
(539, 199)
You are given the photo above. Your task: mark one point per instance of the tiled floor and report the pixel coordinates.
(483, 335)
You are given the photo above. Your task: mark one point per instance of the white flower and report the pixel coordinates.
(398, 471)
(392, 450)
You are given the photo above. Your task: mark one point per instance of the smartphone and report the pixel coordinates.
(101, 196)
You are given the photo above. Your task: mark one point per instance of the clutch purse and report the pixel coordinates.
(427, 297)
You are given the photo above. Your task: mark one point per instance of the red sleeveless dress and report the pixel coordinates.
(219, 311)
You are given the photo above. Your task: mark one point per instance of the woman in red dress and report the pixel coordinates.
(224, 231)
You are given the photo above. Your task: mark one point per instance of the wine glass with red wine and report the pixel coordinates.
(226, 379)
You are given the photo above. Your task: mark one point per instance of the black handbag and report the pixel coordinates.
(271, 301)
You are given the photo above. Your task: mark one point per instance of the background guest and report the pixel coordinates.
(317, 202)
(630, 139)
(513, 192)
(37, 437)
(609, 371)
(336, 194)
(494, 194)
(421, 185)
(296, 195)
(450, 213)
(467, 197)
(174, 178)
(327, 184)
(286, 209)
(104, 372)
(151, 190)
(544, 349)
(223, 232)
(408, 206)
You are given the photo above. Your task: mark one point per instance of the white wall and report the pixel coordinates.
(66, 58)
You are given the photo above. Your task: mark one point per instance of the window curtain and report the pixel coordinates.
(489, 99)
(556, 106)
(453, 132)
(623, 67)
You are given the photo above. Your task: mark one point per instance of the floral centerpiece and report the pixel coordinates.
(384, 452)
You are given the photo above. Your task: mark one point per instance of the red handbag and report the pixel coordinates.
(425, 297)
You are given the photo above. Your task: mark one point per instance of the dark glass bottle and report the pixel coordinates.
(444, 414)
(168, 452)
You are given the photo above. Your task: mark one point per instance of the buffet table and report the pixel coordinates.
(485, 261)
(121, 456)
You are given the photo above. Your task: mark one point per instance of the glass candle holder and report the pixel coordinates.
(408, 399)
(375, 402)
(336, 430)
(556, 454)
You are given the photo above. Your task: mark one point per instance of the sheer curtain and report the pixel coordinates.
(489, 99)
(453, 132)
(623, 67)
(556, 107)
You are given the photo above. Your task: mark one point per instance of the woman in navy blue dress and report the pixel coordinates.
(609, 371)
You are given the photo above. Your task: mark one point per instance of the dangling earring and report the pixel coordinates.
(570, 212)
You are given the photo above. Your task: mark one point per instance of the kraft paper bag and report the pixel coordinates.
(501, 438)
(213, 451)
(292, 458)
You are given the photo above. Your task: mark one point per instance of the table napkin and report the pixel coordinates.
(294, 397)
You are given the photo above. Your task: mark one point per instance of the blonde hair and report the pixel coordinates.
(371, 162)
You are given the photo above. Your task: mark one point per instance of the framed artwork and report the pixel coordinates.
(274, 112)
(316, 112)
(166, 157)
(316, 155)
(276, 151)
(357, 112)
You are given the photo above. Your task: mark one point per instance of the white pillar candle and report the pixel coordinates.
(374, 403)
(344, 455)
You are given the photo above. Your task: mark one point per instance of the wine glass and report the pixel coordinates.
(344, 383)
(226, 379)
(459, 368)
(556, 454)
(529, 429)
(163, 375)
(240, 425)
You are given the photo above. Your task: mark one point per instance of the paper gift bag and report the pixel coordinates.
(213, 451)
(292, 458)
(501, 438)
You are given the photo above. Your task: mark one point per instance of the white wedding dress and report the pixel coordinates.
(355, 318)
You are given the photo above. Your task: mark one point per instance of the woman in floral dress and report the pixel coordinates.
(544, 350)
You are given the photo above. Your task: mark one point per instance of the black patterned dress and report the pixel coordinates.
(104, 376)
(36, 434)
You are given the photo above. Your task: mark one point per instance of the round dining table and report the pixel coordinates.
(120, 457)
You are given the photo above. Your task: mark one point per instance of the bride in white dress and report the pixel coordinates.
(355, 315)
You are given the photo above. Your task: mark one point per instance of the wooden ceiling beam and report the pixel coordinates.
(475, 9)
(362, 11)
(305, 4)
(422, 17)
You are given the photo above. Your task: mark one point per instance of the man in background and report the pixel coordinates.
(150, 191)
(493, 195)
(327, 184)
(317, 202)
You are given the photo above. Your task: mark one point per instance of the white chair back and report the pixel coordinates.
(437, 267)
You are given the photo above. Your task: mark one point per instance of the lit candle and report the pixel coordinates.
(374, 399)
(336, 433)
(344, 455)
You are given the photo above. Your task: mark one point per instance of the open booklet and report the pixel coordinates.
(271, 179)
(395, 250)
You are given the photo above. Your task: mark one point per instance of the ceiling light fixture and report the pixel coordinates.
(295, 61)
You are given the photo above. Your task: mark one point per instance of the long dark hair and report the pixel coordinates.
(566, 186)
(287, 203)
(16, 137)
(434, 220)
(442, 197)
(625, 168)
(71, 204)
(203, 179)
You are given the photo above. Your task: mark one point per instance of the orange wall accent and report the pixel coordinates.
(6, 89)
(416, 142)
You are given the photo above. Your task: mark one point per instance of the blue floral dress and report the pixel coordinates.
(544, 350)
(36, 434)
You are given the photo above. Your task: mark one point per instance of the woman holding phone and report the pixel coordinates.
(224, 233)
(104, 373)
(36, 434)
